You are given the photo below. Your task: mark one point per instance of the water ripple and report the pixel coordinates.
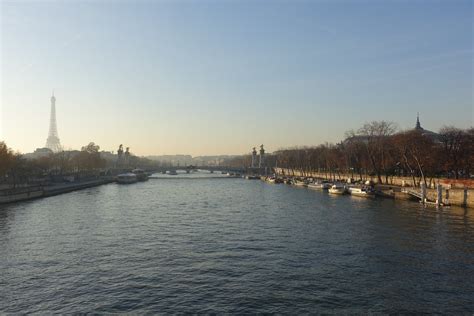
(232, 246)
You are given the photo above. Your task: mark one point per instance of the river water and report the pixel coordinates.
(208, 245)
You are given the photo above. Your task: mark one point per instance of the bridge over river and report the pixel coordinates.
(226, 169)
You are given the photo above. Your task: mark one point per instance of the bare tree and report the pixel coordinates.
(377, 142)
(457, 150)
(415, 152)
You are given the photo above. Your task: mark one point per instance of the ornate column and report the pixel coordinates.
(262, 154)
(254, 157)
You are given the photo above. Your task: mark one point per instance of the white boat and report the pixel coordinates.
(233, 175)
(324, 185)
(363, 192)
(127, 178)
(172, 173)
(271, 179)
(141, 174)
(337, 189)
(249, 177)
(314, 186)
(300, 183)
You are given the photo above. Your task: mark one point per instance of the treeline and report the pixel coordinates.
(17, 169)
(8, 159)
(377, 149)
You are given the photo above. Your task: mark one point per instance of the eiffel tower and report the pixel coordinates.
(53, 140)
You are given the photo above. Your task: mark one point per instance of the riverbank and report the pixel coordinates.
(34, 192)
(452, 191)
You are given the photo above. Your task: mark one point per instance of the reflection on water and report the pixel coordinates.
(231, 245)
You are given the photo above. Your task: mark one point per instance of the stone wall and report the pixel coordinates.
(458, 197)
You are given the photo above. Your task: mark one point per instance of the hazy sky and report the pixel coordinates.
(219, 77)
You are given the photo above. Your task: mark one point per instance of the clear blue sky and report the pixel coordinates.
(217, 77)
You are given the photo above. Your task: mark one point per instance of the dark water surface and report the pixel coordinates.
(232, 245)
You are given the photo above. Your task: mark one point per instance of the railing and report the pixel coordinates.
(413, 193)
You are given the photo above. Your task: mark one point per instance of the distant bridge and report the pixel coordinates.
(225, 169)
(208, 168)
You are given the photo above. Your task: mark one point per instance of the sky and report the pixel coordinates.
(220, 77)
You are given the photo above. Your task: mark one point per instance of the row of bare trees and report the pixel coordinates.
(15, 168)
(89, 161)
(377, 149)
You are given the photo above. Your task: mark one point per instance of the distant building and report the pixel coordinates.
(434, 136)
(39, 153)
(53, 139)
(365, 139)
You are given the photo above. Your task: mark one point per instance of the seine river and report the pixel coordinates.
(181, 245)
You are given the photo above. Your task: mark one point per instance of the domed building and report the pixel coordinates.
(434, 136)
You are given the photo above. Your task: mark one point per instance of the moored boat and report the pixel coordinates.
(274, 180)
(271, 179)
(127, 178)
(300, 183)
(323, 185)
(362, 192)
(172, 173)
(337, 189)
(249, 177)
(234, 175)
(141, 174)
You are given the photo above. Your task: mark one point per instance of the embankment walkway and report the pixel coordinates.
(35, 192)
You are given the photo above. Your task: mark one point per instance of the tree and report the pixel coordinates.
(415, 152)
(91, 148)
(89, 158)
(7, 159)
(457, 152)
(378, 146)
(355, 151)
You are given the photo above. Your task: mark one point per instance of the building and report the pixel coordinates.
(434, 136)
(39, 153)
(53, 140)
(365, 139)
